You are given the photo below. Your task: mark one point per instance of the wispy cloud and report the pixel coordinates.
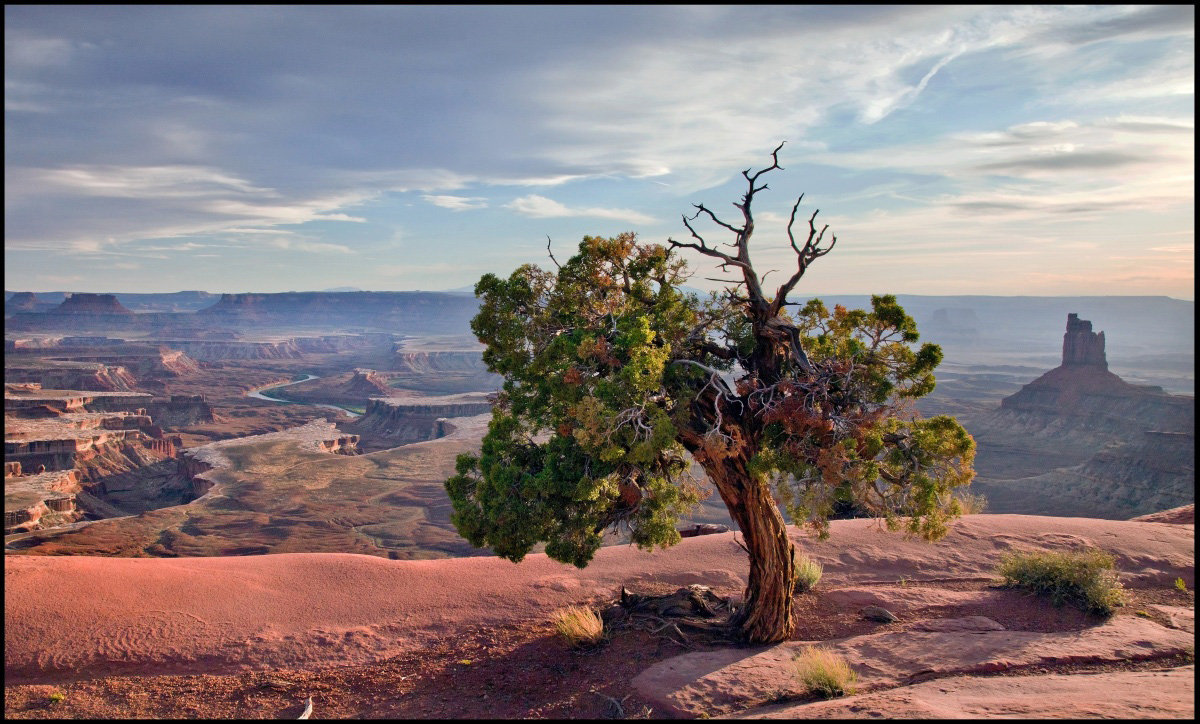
(457, 203)
(540, 207)
(173, 126)
(283, 242)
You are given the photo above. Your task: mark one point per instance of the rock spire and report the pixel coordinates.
(1082, 346)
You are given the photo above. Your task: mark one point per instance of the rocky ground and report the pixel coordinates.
(367, 637)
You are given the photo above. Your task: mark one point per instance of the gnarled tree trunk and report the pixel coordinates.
(766, 615)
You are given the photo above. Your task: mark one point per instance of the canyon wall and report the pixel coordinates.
(63, 462)
(70, 375)
(211, 350)
(441, 366)
(389, 422)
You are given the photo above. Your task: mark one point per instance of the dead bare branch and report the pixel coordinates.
(618, 710)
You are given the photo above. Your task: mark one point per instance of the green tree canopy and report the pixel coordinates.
(613, 377)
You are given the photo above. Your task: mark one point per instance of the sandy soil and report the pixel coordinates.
(368, 637)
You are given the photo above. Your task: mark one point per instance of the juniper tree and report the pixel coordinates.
(614, 377)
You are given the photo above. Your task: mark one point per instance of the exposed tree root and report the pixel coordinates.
(694, 607)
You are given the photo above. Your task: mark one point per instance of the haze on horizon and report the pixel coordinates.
(1002, 151)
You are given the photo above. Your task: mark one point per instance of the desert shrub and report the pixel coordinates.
(1180, 585)
(579, 625)
(824, 673)
(971, 503)
(57, 697)
(808, 572)
(1084, 578)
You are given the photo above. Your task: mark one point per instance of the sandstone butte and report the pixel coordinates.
(79, 617)
(1079, 440)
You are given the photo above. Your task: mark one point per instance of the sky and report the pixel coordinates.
(1014, 150)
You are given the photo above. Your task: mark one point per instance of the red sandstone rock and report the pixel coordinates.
(1082, 346)
(1184, 514)
(724, 681)
(1121, 695)
(367, 383)
(153, 616)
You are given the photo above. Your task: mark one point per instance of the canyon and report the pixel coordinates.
(158, 452)
(64, 462)
(1076, 440)
(1079, 440)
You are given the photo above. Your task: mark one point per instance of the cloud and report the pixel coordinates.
(37, 51)
(1136, 23)
(130, 181)
(283, 242)
(1067, 160)
(1076, 155)
(134, 125)
(128, 203)
(457, 203)
(540, 207)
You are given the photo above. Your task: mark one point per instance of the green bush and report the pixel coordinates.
(807, 572)
(1084, 578)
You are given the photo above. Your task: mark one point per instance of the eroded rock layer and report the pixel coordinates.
(64, 461)
(1079, 440)
(393, 421)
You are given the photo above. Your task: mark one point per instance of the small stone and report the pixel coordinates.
(876, 613)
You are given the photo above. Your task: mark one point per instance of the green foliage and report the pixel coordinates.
(824, 673)
(842, 439)
(582, 437)
(57, 697)
(609, 370)
(1084, 578)
(1180, 585)
(807, 573)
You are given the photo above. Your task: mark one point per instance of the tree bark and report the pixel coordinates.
(766, 614)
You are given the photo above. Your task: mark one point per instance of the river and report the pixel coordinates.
(261, 395)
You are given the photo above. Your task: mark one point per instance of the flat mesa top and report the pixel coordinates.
(29, 490)
(47, 430)
(460, 398)
(40, 364)
(61, 427)
(440, 343)
(67, 394)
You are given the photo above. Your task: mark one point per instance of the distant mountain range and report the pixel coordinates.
(1155, 332)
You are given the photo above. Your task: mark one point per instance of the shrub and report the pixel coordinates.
(1084, 578)
(579, 625)
(971, 503)
(56, 697)
(1179, 584)
(824, 673)
(808, 572)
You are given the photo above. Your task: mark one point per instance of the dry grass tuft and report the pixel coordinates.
(808, 572)
(579, 625)
(824, 673)
(971, 503)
